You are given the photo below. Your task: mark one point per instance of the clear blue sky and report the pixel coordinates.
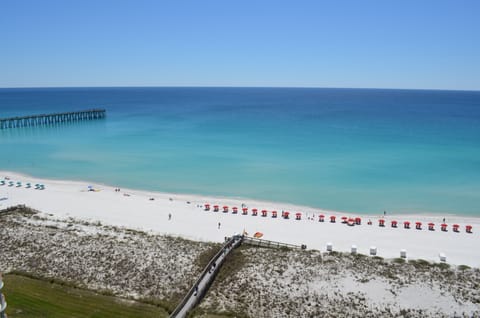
(331, 43)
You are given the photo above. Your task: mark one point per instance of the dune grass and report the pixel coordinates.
(28, 297)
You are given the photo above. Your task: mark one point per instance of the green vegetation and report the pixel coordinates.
(28, 297)
(463, 267)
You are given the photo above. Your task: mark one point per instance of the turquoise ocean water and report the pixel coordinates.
(357, 150)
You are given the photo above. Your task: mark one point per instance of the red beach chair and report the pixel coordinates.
(215, 208)
(418, 225)
(468, 228)
(244, 211)
(264, 213)
(406, 225)
(207, 207)
(381, 222)
(351, 222)
(298, 216)
(274, 214)
(286, 214)
(394, 223)
(321, 218)
(332, 219)
(344, 219)
(234, 210)
(431, 226)
(225, 209)
(443, 227)
(254, 212)
(358, 221)
(455, 227)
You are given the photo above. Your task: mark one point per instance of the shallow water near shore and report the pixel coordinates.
(357, 150)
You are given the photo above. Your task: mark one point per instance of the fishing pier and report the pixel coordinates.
(50, 119)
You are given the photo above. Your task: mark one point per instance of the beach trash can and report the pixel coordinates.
(381, 222)
(274, 214)
(321, 218)
(443, 257)
(373, 250)
(332, 219)
(403, 253)
(329, 247)
(354, 249)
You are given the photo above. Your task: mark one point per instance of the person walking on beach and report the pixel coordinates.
(219, 225)
(169, 216)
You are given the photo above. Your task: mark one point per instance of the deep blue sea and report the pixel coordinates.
(357, 150)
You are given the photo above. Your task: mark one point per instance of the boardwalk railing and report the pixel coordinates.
(48, 119)
(199, 289)
(267, 243)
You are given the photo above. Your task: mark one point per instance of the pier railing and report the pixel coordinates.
(49, 119)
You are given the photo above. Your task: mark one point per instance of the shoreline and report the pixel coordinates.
(237, 200)
(131, 208)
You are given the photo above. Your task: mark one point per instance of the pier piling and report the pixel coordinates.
(49, 119)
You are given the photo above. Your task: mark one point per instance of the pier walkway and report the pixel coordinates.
(49, 119)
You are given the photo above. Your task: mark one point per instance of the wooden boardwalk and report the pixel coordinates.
(201, 286)
(50, 119)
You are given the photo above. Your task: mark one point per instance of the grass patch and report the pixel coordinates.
(233, 263)
(204, 258)
(219, 315)
(463, 267)
(29, 297)
(442, 266)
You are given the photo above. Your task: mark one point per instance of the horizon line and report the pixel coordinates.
(232, 86)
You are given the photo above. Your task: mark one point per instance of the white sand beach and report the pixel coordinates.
(135, 209)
